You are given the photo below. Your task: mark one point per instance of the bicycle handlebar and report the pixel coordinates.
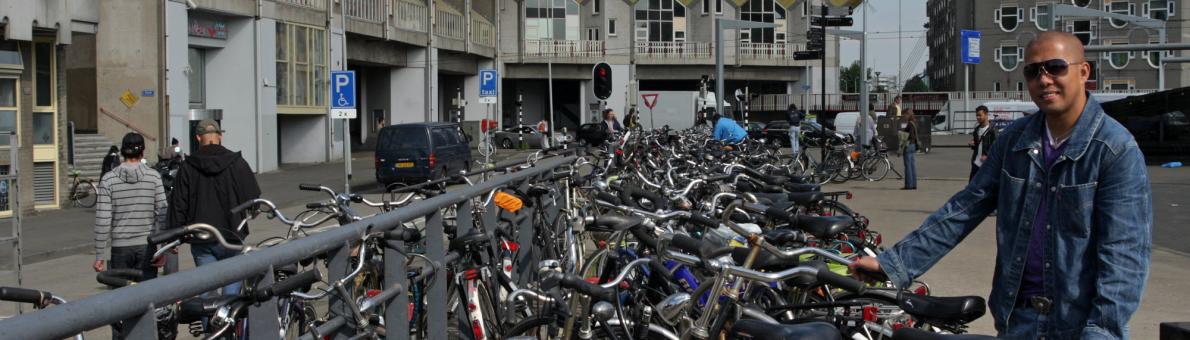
(25, 295)
(167, 235)
(288, 285)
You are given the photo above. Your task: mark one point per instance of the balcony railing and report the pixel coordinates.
(673, 49)
(565, 48)
(449, 25)
(411, 16)
(369, 10)
(316, 4)
(483, 33)
(770, 51)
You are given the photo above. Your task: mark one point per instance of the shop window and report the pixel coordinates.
(1008, 17)
(301, 66)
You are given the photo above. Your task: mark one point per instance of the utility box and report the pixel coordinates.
(886, 128)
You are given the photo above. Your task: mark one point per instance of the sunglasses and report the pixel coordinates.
(1052, 67)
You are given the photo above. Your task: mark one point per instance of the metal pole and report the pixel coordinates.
(346, 122)
(967, 87)
(550, 69)
(900, 61)
(822, 113)
(863, 77)
(718, 67)
(1161, 64)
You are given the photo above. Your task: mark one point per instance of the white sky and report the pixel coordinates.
(882, 36)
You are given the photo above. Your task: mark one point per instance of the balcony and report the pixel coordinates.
(674, 52)
(412, 22)
(366, 17)
(450, 27)
(483, 33)
(564, 51)
(314, 4)
(770, 54)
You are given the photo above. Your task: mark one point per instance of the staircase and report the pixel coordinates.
(89, 150)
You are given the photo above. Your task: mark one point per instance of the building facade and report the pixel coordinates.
(1008, 25)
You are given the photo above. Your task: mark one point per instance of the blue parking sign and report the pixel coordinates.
(970, 46)
(487, 83)
(343, 94)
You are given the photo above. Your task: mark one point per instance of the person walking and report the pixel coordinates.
(110, 161)
(894, 109)
(795, 117)
(130, 204)
(909, 149)
(173, 151)
(211, 182)
(1074, 206)
(982, 138)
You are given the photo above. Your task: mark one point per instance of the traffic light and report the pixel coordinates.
(601, 75)
(816, 39)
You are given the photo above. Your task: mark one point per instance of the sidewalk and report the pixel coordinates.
(54, 234)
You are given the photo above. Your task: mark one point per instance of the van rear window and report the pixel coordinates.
(405, 138)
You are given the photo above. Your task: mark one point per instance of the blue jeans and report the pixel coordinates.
(1025, 323)
(207, 253)
(795, 144)
(910, 166)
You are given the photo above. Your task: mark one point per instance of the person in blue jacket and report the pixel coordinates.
(728, 131)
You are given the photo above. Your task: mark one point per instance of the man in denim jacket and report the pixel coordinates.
(1074, 211)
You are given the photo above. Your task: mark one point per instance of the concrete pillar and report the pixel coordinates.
(266, 89)
(127, 60)
(618, 100)
(408, 93)
(230, 86)
(177, 78)
(433, 103)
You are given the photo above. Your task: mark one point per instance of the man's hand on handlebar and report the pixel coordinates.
(867, 268)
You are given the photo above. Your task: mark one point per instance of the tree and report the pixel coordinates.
(916, 84)
(849, 78)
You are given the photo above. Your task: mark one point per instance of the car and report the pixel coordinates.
(511, 136)
(755, 130)
(1169, 125)
(418, 152)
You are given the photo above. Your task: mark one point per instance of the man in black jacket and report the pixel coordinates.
(211, 182)
(981, 141)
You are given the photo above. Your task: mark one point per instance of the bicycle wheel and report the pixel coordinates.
(875, 169)
(85, 194)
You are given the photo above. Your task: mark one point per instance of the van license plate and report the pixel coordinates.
(404, 164)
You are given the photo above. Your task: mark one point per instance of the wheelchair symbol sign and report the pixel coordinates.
(343, 94)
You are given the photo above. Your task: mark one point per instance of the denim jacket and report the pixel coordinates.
(1099, 235)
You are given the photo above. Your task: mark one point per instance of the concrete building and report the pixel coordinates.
(1007, 26)
(44, 49)
(666, 45)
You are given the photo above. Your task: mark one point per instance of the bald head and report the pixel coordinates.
(1061, 44)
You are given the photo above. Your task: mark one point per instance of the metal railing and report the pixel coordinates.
(411, 16)
(770, 51)
(449, 25)
(674, 49)
(368, 10)
(565, 48)
(483, 33)
(315, 4)
(138, 301)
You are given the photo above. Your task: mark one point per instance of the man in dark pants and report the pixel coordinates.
(982, 138)
(1074, 211)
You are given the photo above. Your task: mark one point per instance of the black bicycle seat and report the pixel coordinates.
(805, 198)
(199, 307)
(798, 187)
(764, 260)
(474, 238)
(961, 309)
(814, 330)
(918, 334)
(824, 227)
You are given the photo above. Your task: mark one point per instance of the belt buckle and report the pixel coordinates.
(1041, 304)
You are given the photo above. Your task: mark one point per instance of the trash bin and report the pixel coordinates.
(886, 128)
(925, 132)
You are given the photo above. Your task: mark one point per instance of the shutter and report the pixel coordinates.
(1169, 6)
(44, 183)
(996, 16)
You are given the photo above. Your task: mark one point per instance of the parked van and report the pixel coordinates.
(417, 152)
(845, 121)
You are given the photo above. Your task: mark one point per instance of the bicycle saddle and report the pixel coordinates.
(764, 260)
(961, 309)
(824, 227)
(918, 334)
(474, 238)
(805, 198)
(798, 187)
(195, 308)
(814, 330)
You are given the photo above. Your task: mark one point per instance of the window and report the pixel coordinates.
(8, 108)
(10, 56)
(596, 6)
(1154, 57)
(1119, 7)
(611, 27)
(1041, 17)
(1119, 59)
(197, 77)
(1008, 17)
(1081, 3)
(1158, 9)
(1083, 29)
(43, 56)
(1020, 86)
(551, 20)
(1009, 56)
(593, 34)
(301, 66)
(761, 11)
(1121, 84)
(996, 86)
(658, 20)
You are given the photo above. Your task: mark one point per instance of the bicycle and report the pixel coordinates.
(83, 191)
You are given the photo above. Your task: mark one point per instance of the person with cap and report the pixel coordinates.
(130, 204)
(211, 182)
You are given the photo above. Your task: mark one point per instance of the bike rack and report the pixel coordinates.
(136, 303)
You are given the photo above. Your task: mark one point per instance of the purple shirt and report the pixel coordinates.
(1032, 284)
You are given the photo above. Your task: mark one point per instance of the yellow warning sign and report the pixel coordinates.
(129, 99)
